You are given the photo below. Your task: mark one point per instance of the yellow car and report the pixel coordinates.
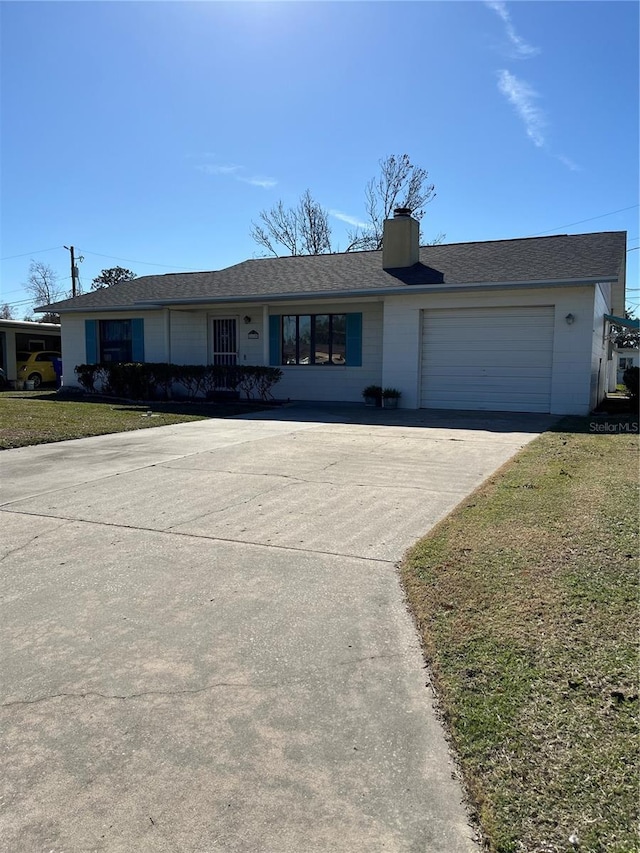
(38, 367)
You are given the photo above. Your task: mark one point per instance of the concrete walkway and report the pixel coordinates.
(203, 640)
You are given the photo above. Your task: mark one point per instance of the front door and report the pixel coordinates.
(225, 340)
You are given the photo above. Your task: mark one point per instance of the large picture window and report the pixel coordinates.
(115, 341)
(314, 339)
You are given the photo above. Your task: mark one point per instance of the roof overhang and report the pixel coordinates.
(308, 296)
(622, 321)
(30, 325)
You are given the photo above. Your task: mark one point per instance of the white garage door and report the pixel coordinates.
(496, 359)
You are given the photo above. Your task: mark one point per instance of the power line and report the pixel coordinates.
(144, 263)
(194, 269)
(16, 304)
(25, 254)
(580, 221)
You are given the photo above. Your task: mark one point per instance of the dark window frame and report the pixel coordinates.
(333, 345)
(123, 343)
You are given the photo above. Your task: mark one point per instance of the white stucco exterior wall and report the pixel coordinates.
(334, 382)
(572, 349)
(74, 342)
(191, 344)
(189, 337)
(391, 342)
(601, 366)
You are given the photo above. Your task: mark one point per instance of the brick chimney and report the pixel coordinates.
(401, 240)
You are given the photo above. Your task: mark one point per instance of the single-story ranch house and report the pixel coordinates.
(507, 325)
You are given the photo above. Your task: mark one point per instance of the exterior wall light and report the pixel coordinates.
(247, 319)
(569, 319)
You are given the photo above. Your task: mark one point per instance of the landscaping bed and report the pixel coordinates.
(40, 417)
(526, 599)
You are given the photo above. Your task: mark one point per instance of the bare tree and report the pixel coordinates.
(399, 184)
(5, 312)
(305, 230)
(301, 230)
(42, 283)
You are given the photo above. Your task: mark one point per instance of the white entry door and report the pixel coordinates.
(225, 340)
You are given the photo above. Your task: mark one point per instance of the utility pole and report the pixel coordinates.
(74, 271)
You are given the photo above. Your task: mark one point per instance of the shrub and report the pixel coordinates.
(221, 377)
(132, 380)
(630, 378)
(147, 380)
(192, 378)
(374, 391)
(162, 379)
(265, 379)
(87, 375)
(391, 394)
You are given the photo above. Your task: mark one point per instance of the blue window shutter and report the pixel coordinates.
(354, 340)
(91, 341)
(137, 340)
(275, 356)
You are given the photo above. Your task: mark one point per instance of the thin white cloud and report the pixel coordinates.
(522, 97)
(265, 183)
(522, 49)
(218, 169)
(568, 163)
(231, 170)
(350, 220)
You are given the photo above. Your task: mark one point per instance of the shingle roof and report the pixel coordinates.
(550, 259)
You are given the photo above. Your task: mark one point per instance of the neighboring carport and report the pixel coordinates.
(17, 335)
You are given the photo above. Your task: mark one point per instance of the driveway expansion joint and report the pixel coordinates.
(166, 531)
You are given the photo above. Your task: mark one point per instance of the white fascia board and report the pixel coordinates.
(371, 292)
(29, 324)
(423, 289)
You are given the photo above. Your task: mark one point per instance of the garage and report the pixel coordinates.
(494, 359)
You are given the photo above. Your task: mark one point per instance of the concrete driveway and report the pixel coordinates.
(203, 640)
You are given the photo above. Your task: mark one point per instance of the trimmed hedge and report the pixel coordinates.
(150, 381)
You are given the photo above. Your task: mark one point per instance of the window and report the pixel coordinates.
(314, 339)
(115, 340)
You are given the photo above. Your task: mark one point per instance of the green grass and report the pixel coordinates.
(39, 417)
(527, 602)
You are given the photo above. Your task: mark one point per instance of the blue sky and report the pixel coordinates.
(150, 135)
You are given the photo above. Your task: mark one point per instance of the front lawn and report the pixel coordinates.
(527, 602)
(40, 417)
